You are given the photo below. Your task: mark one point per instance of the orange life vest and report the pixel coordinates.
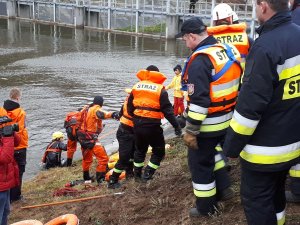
(234, 34)
(226, 78)
(126, 118)
(92, 123)
(18, 115)
(50, 149)
(146, 94)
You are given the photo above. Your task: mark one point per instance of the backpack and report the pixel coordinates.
(73, 122)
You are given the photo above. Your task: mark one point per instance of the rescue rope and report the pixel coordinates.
(70, 201)
(110, 132)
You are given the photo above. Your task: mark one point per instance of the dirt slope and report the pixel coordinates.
(165, 200)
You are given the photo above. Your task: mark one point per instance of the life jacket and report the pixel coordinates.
(234, 34)
(91, 127)
(146, 94)
(225, 77)
(73, 122)
(55, 160)
(18, 115)
(126, 118)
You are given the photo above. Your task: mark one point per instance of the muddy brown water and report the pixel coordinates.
(60, 69)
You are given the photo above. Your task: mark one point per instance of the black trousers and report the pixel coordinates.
(202, 163)
(126, 141)
(295, 185)
(20, 157)
(149, 136)
(263, 196)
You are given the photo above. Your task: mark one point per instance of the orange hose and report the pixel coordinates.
(70, 201)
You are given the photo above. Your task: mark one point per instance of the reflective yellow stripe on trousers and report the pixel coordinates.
(280, 218)
(205, 190)
(271, 155)
(295, 171)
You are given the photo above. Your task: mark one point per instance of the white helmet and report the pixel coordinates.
(234, 17)
(222, 11)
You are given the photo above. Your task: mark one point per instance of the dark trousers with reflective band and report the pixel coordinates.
(20, 157)
(202, 166)
(149, 136)
(263, 196)
(295, 179)
(125, 138)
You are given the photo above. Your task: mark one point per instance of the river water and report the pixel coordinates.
(60, 69)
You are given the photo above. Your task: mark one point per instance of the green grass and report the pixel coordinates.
(159, 28)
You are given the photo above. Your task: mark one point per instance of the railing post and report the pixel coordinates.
(137, 16)
(253, 19)
(54, 11)
(213, 4)
(109, 15)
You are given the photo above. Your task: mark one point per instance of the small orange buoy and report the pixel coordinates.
(67, 219)
(28, 222)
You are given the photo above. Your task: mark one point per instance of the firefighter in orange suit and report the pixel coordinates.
(88, 138)
(212, 73)
(126, 141)
(148, 103)
(226, 32)
(18, 115)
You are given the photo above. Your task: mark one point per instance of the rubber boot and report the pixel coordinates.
(138, 174)
(100, 177)
(129, 171)
(113, 182)
(225, 194)
(148, 173)
(69, 162)
(195, 213)
(86, 175)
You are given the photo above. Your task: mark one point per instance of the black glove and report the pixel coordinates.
(178, 131)
(115, 115)
(181, 121)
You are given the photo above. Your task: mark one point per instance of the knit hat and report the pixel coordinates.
(98, 100)
(152, 68)
(177, 67)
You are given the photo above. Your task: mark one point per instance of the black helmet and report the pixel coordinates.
(177, 67)
(98, 100)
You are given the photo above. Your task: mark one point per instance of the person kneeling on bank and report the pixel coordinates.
(52, 155)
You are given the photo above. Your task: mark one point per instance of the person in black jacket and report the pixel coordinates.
(148, 103)
(265, 124)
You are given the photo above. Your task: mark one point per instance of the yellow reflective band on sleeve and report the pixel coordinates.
(196, 116)
(291, 88)
(215, 127)
(138, 164)
(225, 92)
(205, 194)
(153, 165)
(117, 171)
(270, 159)
(219, 165)
(280, 218)
(241, 129)
(289, 72)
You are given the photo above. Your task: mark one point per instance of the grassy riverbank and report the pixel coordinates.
(164, 200)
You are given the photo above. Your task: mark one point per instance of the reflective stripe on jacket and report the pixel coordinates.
(126, 118)
(146, 94)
